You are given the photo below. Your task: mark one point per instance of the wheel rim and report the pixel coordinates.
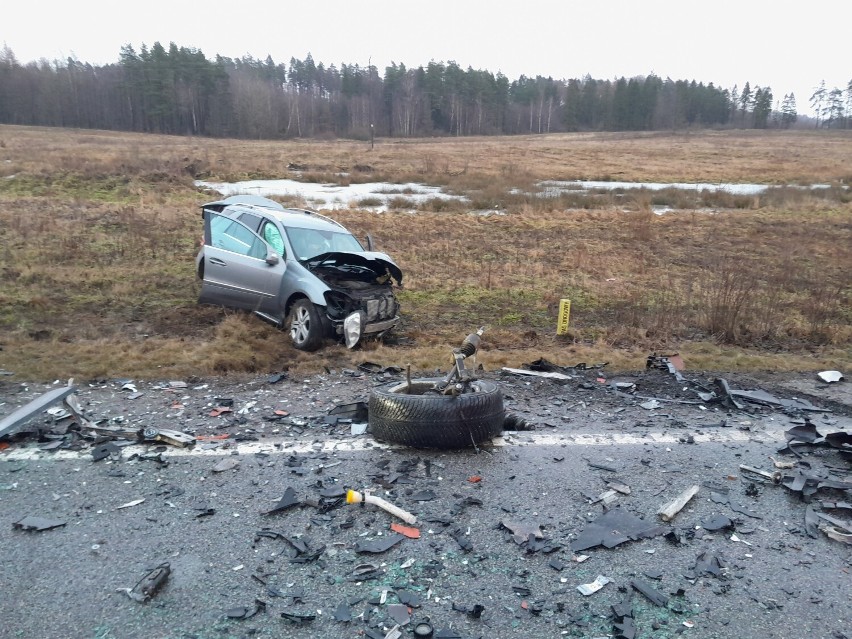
(300, 327)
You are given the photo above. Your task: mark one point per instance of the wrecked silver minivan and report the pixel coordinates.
(298, 269)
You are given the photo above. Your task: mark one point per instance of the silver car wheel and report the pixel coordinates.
(300, 325)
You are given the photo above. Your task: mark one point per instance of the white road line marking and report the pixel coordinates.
(527, 438)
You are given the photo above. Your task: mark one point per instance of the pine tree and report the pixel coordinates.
(788, 111)
(818, 101)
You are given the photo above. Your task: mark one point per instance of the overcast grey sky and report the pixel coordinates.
(787, 46)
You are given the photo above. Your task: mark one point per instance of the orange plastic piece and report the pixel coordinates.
(475, 479)
(411, 533)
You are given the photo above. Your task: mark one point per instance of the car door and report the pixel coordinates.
(236, 271)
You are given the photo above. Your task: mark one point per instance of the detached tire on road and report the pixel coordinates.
(435, 421)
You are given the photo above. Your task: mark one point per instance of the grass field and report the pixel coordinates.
(98, 233)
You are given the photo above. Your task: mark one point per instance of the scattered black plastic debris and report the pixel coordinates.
(522, 531)
(622, 621)
(410, 599)
(615, 527)
(806, 433)
(655, 597)
(546, 546)
(333, 492)
(105, 450)
(459, 507)
(836, 505)
(38, 524)
(300, 551)
(556, 564)
(343, 612)
(298, 617)
(379, 545)
(287, 501)
(447, 634)
(708, 563)
(807, 484)
(463, 542)
(839, 439)
(372, 367)
(356, 411)
(611, 469)
(723, 392)
(473, 611)
(148, 586)
(536, 607)
(719, 498)
(671, 363)
(717, 522)
(275, 378)
(243, 612)
(424, 495)
(304, 552)
(205, 512)
(811, 522)
(399, 613)
(762, 397)
(679, 536)
(438, 519)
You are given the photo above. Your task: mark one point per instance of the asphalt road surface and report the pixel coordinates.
(199, 510)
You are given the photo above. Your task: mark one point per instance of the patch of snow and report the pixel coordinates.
(334, 196)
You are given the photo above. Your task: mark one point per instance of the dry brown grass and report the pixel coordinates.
(98, 231)
(708, 156)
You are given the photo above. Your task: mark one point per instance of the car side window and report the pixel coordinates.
(250, 220)
(272, 235)
(232, 236)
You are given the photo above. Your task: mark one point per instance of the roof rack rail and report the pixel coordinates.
(314, 213)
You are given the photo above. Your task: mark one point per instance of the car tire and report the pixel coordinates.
(305, 326)
(430, 420)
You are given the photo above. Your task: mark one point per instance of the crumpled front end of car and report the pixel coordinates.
(356, 312)
(360, 300)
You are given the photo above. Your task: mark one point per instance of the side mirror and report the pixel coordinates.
(272, 258)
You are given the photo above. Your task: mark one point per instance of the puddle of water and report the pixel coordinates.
(335, 196)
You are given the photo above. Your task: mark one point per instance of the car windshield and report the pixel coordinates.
(307, 243)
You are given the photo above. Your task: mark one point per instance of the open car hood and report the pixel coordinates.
(357, 263)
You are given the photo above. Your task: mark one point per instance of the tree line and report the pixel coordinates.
(180, 91)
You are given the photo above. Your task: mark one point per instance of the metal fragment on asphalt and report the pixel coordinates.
(148, 586)
(129, 504)
(593, 587)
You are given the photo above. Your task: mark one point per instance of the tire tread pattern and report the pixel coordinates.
(437, 421)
